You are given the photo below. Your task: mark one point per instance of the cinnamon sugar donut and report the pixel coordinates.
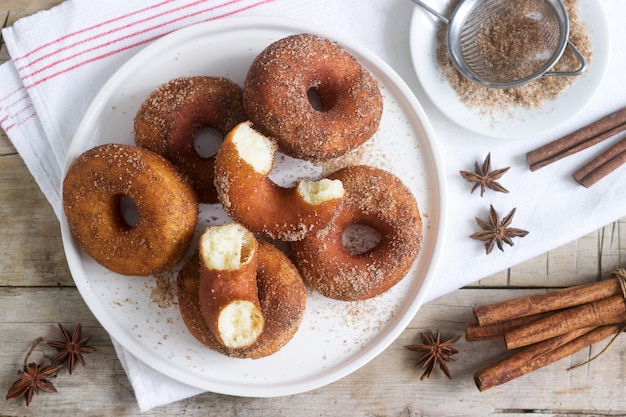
(242, 168)
(281, 292)
(375, 198)
(169, 118)
(93, 188)
(277, 90)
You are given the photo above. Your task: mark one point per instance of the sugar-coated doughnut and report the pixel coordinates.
(375, 198)
(170, 116)
(281, 292)
(93, 188)
(277, 92)
(229, 297)
(242, 167)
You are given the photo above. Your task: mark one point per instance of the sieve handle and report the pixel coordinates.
(579, 57)
(433, 11)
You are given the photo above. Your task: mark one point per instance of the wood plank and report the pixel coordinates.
(612, 247)
(6, 147)
(31, 239)
(388, 385)
(499, 279)
(4, 17)
(23, 7)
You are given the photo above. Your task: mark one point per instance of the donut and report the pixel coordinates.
(376, 199)
(281, 292)
(169, 118)
(242, 168)
(229, 297)
(93, 189)
(278, 92)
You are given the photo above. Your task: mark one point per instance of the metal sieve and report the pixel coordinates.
(508, 43)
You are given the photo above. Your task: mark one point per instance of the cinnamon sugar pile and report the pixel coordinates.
(531, 95)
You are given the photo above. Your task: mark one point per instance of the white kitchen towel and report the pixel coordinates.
(60, 58)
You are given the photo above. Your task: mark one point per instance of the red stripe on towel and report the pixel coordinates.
(7, 108)
(21, 121)
(122, 49)
(111, 42)
(108, 32)
(70, 35)
(11, 93)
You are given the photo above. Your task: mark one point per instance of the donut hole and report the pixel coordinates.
(315, 100)
(360, 238)
(322, 97)
(207, 141)
(129, 211)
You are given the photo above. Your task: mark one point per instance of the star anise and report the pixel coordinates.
(484, 177)
(33, 377)
(496, 232)
(435, 352)
(71, 348)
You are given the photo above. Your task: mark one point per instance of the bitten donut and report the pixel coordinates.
(229, 297)
(377, 199)
(242, 168)
(284, 76)
(169, 118)
(93, 189)
(281, 292)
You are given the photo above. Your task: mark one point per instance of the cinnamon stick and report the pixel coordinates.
(598, 313)
(541, 354)
(475, 332)
(603, 165)
(578, 140)
(544, 302)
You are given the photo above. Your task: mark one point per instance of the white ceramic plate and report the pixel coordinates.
(335, 338)
(515, 122)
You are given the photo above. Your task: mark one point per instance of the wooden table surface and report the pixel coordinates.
(38, 292)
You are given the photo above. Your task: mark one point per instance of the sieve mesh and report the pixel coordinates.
(502, 41)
